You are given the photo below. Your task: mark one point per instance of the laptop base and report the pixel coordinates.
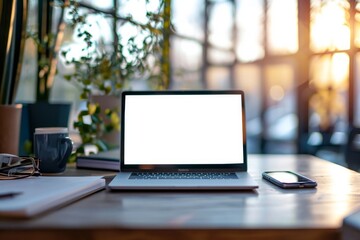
(122, 182)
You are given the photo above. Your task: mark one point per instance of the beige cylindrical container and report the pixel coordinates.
(10, 118)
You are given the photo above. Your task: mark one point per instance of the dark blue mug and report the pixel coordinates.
(53, 147)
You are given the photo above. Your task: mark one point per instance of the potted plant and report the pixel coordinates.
(48, 41)
(107, 70)
(13, 16)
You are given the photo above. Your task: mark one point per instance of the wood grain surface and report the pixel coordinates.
(266, 213)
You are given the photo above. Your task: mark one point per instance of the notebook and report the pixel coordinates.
(179, 140)
(28, 197)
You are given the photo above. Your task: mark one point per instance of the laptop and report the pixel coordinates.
(178, 140)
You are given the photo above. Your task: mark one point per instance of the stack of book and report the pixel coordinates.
(109, 160)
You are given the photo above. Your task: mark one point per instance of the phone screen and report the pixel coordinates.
(288, 179)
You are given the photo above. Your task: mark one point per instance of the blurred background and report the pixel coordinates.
(298, 62)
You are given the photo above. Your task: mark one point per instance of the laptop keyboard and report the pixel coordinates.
(187, 175)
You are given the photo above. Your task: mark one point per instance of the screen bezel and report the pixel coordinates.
(182, 167)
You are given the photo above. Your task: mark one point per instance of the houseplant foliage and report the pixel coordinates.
(48, 40)
(108, 70)
(47, 36)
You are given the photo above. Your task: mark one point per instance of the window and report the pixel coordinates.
(299, 67)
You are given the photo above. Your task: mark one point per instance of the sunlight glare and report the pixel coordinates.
(330, 71)
(320, 68)
(342, 185)
(277, 92)
(283, 31)
(186, 18)
(220, 25)
(138, 8)
(249, 17)
(98, 27)
(339, 70)
(357, 29)
(330, 26)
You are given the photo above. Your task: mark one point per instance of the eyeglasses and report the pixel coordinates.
(14, 167)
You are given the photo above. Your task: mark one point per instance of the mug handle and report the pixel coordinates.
(69, 147)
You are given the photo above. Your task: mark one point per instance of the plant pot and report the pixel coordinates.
(10, 128)
(40, 115)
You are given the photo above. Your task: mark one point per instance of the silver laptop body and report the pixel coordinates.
(179, 140)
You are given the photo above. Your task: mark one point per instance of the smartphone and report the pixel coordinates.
(289, 179)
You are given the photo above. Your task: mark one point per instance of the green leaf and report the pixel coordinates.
(83, 96)
(68, 77)
(86, 81)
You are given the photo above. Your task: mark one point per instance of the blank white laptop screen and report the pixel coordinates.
(183, 129)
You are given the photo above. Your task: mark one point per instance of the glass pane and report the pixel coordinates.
(186, 81)
(99, 27)
(329, 76)
(187, 17)
(282, 27)
(329, 27)
(186, 60)
(357, 24)
(249, 19)
(137, 9)
(248, 79)
(330, 71)
(26, 89)
(280, 116)
(186, 55)
(218, 78)
(221, 24)
(220, 57)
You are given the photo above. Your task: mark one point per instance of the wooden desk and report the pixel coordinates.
(267, 213)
